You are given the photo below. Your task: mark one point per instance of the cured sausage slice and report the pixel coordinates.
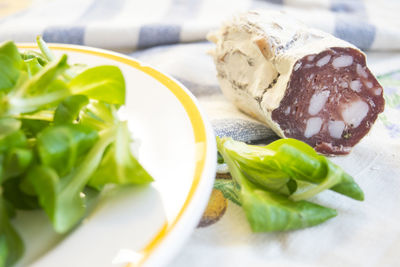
(331, 101)
(304, 83)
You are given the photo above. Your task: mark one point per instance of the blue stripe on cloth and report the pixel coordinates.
(158, 34)
(243, 130)
(261, 3)
(351, 23)
(346, 7)
(64, 34)
(102, 10)
(355, 31)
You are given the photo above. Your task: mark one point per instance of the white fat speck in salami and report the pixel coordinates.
(342, 61)
(344, 84)
(297, 66)
(311, 57)
(355, 85)
(354, 113)
(378, 91)
(313, 126)
(317, 102)
(361, 71)
(336, 128)
(323, 61)
(303, 83)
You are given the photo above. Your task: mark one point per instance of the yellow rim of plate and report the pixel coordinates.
(199, 131)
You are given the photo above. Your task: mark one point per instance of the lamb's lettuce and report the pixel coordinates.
(106, 84)
(33, 66)
(11, 245)
(274, 182)
(62, 146)
(68, 110)
(40, 91)
(10, 66)
(62, 196)
(46, 53)
(118, 163)
(60, 137)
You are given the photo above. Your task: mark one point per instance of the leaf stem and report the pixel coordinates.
(44, 48)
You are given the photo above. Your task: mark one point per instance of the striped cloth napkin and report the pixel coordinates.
(171, 34)
(127, 25)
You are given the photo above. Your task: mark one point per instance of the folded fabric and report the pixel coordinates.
(363, 234)
(128, 25)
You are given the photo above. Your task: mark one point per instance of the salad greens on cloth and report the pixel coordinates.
(273, 182)
(59, 136)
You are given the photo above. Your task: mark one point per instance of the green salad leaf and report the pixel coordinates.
(269, 211)
(274, 182)
(119, 160)
(68, 110)
(229, 189)
(62, 196)
(106, 84)
(46, 53)
(10, 66)
(44, 88)
(61, 146)
(11, 245)
(61, 140)
(33, 66)
(8, 125)
(15, 193)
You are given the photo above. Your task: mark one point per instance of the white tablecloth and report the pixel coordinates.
(170, 35)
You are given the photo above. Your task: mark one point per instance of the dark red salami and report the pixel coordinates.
(303, 83)
(331, 101)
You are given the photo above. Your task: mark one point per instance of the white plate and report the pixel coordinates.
(137, 226)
